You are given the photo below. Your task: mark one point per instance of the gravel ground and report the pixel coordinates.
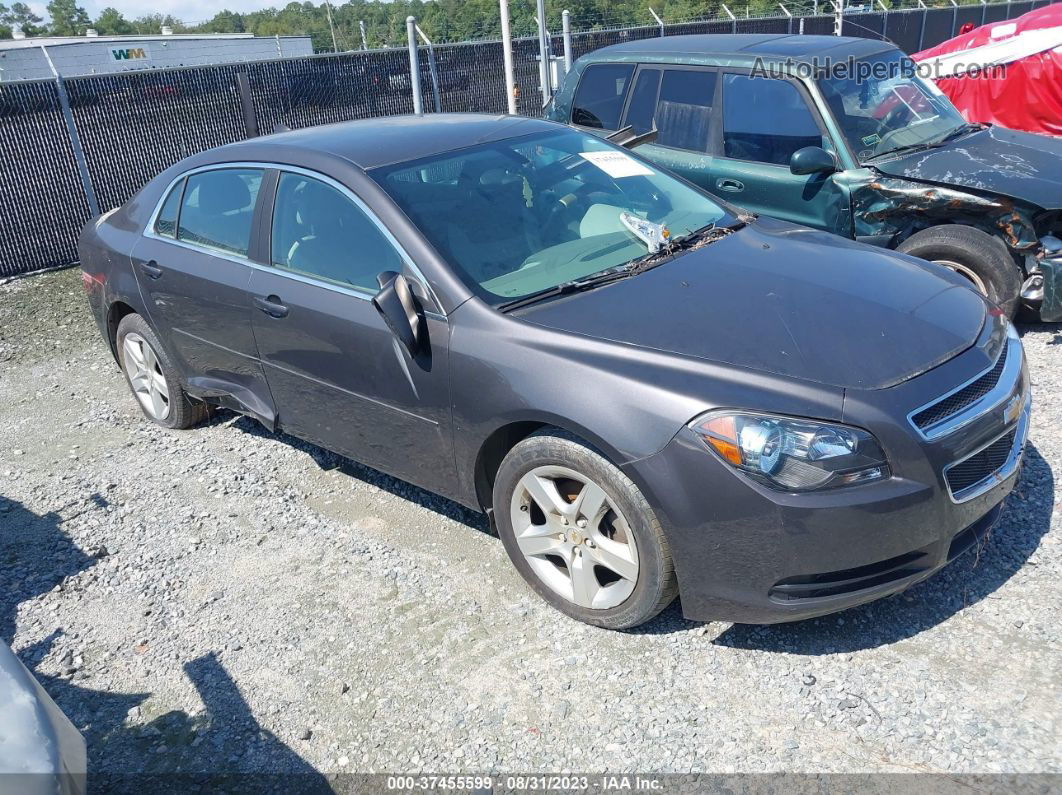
(223, 599)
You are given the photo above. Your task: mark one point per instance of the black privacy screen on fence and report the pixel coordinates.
(133, 125)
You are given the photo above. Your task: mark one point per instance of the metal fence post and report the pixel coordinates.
(954, 17)
(543, 53)
(250, 118)
(75, 140)
(364, 38)
(789, 25)
(566, 32)
(922, 29)
(733, 19)
(432, 70)
(507, 57)
(659, 21)
(414, 65)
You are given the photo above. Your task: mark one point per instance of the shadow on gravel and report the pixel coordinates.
(222, 748)
(328, 460)
(967, 580)
(35, 556)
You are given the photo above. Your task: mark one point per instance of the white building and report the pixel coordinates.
(24, 59)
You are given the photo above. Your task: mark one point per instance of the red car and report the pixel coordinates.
(1025, 91)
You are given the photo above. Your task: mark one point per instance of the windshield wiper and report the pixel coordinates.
(695, 239)
(573, 286)
(930, 144)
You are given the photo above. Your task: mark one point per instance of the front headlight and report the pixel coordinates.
(792, 454)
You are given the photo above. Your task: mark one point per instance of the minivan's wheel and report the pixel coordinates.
(581, 533)
(980, 258)
(152, 378)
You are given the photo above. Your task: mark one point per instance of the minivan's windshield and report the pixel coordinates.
(882, 106)
(522, 215)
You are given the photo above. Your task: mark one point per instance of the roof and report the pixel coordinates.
(53, 41)
(741, 47)
(369, 143)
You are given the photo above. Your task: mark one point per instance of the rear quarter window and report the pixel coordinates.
(599, 99)
(166, 222)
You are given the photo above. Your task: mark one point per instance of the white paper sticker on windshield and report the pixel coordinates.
(617, 164)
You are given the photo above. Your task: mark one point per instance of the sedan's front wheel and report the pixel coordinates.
(581, 533)
(153, 379)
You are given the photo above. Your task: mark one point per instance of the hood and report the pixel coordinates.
(1017, 164)
(785, 300)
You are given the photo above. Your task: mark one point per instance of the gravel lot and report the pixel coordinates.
(224, 599)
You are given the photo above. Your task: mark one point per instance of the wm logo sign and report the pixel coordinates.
(129, 54)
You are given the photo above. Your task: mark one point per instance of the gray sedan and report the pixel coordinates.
(649, 391)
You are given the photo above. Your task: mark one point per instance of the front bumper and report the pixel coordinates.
(749, 554)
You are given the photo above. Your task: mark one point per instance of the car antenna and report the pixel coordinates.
(627, 139)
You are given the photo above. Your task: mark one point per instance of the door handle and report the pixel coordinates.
(151, 269)
(731, 185)
(271, 306)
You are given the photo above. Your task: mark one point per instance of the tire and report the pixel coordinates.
(161, 398)
(981, 258)
(568, 560)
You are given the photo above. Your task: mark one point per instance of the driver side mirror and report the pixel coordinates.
(397, 305)
(812, 160)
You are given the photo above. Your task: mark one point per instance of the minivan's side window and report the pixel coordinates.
(319, 231)
(599, 99)
(166, 222)
(765, 120)
(218, 208)
(684, 109)
(642, 108)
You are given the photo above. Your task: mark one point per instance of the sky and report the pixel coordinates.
(184, 10)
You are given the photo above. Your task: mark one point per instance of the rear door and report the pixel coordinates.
(193, 267)
(677, 101)
(762, 122)
(338, 375)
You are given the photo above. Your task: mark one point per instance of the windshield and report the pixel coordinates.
(882, 105)
(522, 215)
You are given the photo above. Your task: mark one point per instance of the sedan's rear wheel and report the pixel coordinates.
(153, 379)
(581, 533)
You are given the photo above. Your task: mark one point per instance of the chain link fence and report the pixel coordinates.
(132, 125)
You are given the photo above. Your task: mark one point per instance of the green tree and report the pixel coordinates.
(68, 18)
(110, 22)
(22, 16)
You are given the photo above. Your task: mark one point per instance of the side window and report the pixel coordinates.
(684, 110)
(765, 120)
(642, 107)
(318, 231)
(166, 222)
(218, 208)
(599, 98)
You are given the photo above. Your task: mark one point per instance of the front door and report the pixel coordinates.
(193, 268)
(337, 374)
(762, 122)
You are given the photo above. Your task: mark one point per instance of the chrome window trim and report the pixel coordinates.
(1009, 467)
(1003, 389)
(149, 231)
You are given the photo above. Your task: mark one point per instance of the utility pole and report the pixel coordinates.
(507, 56)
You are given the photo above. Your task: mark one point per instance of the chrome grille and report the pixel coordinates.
(954, 403)
(980, 465)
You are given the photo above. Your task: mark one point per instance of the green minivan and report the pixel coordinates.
(840, 134)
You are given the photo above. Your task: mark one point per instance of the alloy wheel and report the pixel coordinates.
(574, 537)
(966, 272)
(145, 376)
